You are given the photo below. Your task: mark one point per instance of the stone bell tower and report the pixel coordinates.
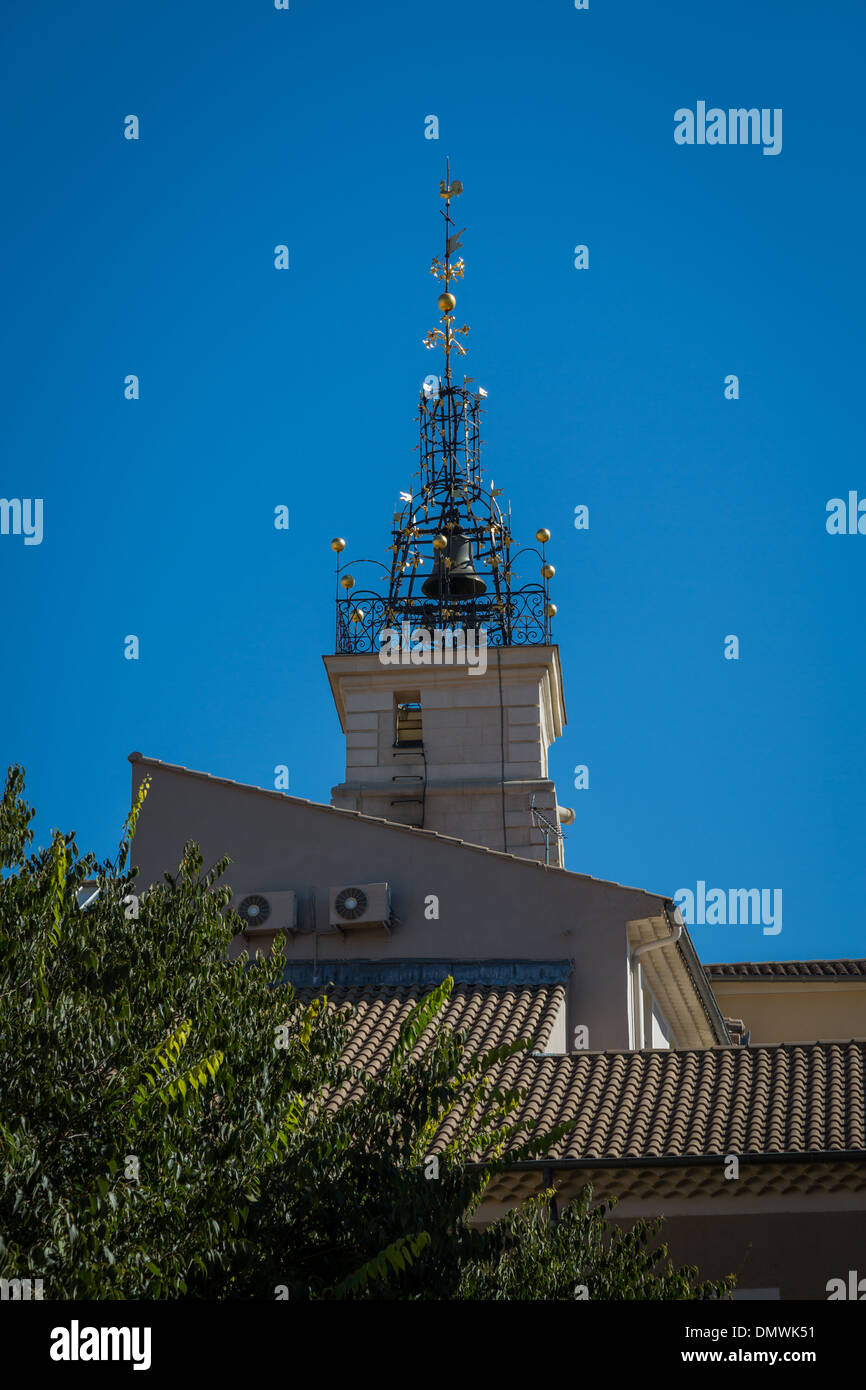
(448, 686)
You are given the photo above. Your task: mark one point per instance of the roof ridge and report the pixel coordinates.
(136, 757)
(751, 1049)
(814, 967)
(804, 960)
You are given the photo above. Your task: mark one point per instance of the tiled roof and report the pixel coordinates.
(787, 1099)
(491, 1015)
(788, 969)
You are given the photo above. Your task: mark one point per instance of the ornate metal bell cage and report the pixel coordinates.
(453, 552)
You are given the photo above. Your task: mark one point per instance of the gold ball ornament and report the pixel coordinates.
(347, 582)
(356, 615)
(447, 303)
(548, 571)
(550, 610)
(440, 542)
(543, 535)
(338, 544)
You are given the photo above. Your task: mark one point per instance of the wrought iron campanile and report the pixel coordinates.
(453, 551)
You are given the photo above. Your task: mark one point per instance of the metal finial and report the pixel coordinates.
(446, 270)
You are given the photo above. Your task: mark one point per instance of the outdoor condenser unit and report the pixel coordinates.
(266, 911)
(360, 905)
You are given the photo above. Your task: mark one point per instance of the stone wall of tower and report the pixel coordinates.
(484, 754)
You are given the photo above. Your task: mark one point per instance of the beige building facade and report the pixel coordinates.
(454, 748)
(784, 1001)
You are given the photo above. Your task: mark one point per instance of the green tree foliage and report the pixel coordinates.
(173, 1124)
(578, 1254)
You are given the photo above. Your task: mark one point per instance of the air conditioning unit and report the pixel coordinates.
(360, 905)
(266, 912)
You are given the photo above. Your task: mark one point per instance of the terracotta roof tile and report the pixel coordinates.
(490, 1015)
(787, 969)
(794, 1099)
(806, 1098)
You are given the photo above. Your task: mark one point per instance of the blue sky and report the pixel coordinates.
(606, 388)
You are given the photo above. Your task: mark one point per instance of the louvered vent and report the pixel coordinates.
(408, 721)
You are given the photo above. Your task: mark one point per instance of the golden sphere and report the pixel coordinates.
(550, 610)
(548, 571)
(356, 615)
(543, 535)
(347, 582)
(440, 542)
(447, 303)
(338, 544)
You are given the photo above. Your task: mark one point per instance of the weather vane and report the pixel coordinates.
(447, 271)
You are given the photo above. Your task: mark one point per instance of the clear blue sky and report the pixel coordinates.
(259, 387)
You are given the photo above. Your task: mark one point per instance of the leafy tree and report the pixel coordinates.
(578, 1255)
(174, 1124)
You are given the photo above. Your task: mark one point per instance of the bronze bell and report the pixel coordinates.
(459, 579)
